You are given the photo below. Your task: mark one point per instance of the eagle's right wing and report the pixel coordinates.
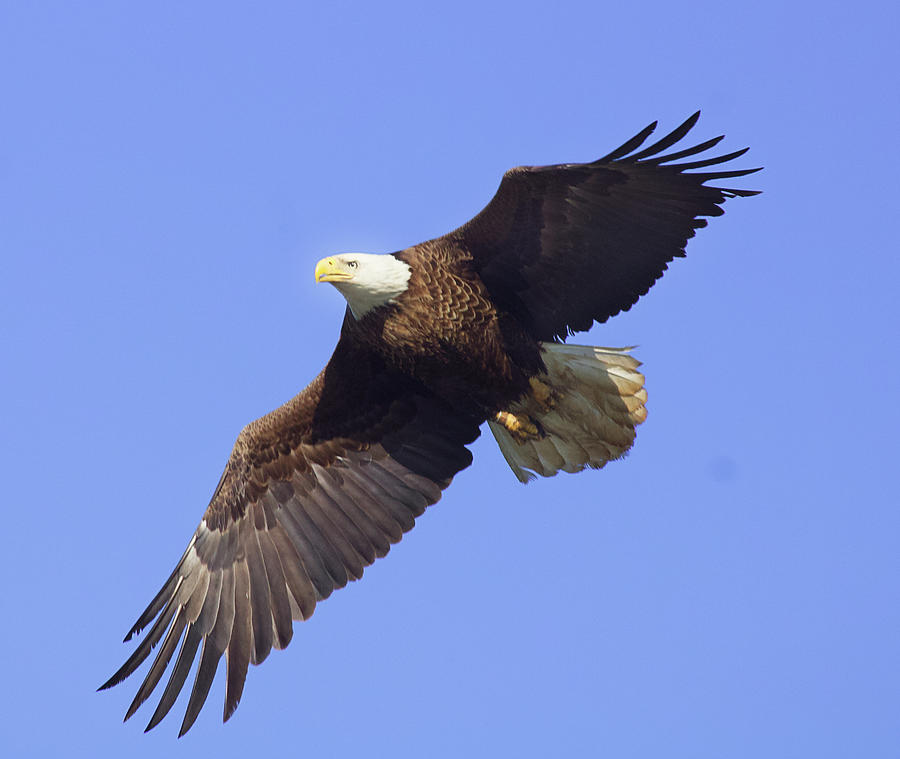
(313, 492)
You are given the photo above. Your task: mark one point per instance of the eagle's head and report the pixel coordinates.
(366, 280)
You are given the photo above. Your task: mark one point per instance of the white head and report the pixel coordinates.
(366, 280)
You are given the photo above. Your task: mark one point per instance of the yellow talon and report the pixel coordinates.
(521, 428)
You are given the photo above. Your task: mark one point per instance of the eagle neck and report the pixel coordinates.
(382, 279)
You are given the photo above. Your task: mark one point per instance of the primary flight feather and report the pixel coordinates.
(437, 339)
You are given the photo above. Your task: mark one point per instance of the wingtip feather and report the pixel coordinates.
(632, 144)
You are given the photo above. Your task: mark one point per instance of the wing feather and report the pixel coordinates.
(670, 139)
(693, 150)
(278, 593)
(346, 561)
(395, 515)
(158, 668)
(240, 643)
(297, 580)
(633, 144)
(189, 646)
(314, 560)
(377, 532)
(146, 645)
(206, 672)
(331, 504)
(260, 603)
(214, 645)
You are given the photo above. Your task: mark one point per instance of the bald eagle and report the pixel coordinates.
(437, 339)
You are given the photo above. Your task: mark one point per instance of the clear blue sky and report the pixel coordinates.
(168, 177)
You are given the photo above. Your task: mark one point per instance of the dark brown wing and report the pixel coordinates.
(560, 247)
(313, 493)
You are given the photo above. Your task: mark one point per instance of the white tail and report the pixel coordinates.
(599, 400)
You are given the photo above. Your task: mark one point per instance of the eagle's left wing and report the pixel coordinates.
(560, 247)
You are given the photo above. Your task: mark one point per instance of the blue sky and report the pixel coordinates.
(168, 177)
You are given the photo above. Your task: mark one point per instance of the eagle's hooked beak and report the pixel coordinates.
(331, 269)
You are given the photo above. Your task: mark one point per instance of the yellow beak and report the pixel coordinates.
(329, 270)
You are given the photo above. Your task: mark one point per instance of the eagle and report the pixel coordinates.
(437, 339)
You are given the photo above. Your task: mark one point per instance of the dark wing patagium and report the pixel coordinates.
(313, 493)
(560, 247)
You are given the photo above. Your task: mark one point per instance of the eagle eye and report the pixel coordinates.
(352, 264)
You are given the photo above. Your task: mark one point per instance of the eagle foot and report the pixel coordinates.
(521, 426)
(544, 394)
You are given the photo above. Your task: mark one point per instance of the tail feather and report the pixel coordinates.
(599, 400)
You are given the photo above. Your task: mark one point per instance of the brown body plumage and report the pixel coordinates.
(437, 339)
(445, 331)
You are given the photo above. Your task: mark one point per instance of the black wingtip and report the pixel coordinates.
(668, 140)
(117, 677)
(711, 161)
(135, 630)
(693, 150)
(635, 142)
(138, 626)
(687, 125)
(156, 718)
(630, 145)
(713, 175)
(732, 193)
(139, 699)
(230, 709)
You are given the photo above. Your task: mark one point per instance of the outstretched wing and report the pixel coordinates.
(313, 493)
(560, 247)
